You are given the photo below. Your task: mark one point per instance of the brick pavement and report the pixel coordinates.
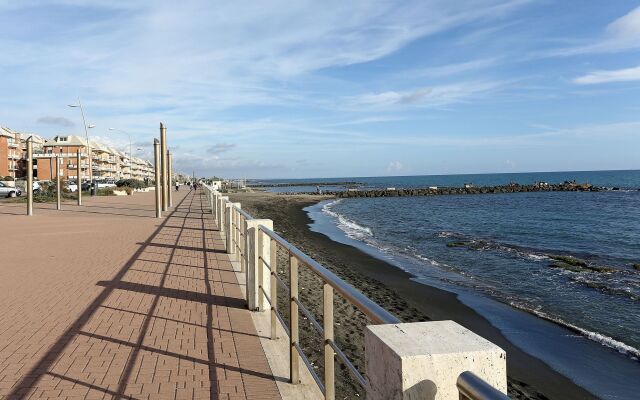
(84, 322)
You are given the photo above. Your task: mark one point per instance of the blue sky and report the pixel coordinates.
(334, 88)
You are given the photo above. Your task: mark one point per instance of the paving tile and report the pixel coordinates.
(129, 306)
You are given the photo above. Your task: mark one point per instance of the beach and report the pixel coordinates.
(394, 290)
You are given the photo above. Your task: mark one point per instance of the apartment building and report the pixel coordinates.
(66, 147)
(10, 153)
(106, 162)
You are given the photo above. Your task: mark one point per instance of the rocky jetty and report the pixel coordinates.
(468, 189)
(290, 184)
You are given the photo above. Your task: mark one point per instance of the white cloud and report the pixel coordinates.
(435, 96)
(137, 63)
(620, 35)
(620, 75)
(395, 166)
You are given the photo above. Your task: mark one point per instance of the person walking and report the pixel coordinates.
(177, 186)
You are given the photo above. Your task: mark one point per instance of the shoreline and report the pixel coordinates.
(529, 377)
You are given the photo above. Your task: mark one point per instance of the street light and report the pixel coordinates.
(86, 134)
(130, 153)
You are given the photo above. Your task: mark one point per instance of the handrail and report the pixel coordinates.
(472, 387)
(370, 308)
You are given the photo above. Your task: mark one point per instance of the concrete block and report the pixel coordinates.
(423, 360)
(257, 244)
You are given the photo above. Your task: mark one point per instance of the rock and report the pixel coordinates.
(568, 267)
(636, 266)
(576, 262)
(457, 244)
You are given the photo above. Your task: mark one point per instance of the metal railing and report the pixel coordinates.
(471, 387)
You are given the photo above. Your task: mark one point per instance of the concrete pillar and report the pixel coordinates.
(158, 177)
(216, 205)
(221, 212)
(170, 178)
(258, 244)
(229, 227)
(423, 360)
(79, 176)
(163, 167)
(58, 185)
(30, 176)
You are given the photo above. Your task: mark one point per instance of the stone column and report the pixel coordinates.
(258, 244)
(423, 360)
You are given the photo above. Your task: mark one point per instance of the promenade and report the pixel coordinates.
(105, 301)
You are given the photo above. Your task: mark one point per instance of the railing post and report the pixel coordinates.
(329, 373)
(222, 219)
(424, 360)
(258, 249)
(294, 357)
(273, 293)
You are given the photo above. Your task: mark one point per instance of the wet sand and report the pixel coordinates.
(529, 378)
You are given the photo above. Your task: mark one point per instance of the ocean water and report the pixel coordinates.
(503, 269)
(610, 179)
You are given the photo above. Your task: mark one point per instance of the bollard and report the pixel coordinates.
(79, 177)
(30, 176)
(163, 166)
(424, 359)
(58, 188)
(258, 247)
(156, 159)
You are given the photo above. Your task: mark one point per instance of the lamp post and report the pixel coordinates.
(86, 135)
(130, 153)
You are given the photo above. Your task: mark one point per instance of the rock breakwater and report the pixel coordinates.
(467, 189)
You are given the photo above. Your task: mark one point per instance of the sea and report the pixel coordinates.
(496, 252)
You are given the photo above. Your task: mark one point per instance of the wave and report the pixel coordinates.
(600, 338)
(348, 226)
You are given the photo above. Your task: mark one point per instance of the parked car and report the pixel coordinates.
(9, 191)
(106, 184)
(37, 189)
(72, 186)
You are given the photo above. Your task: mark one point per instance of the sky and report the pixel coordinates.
(294, 89)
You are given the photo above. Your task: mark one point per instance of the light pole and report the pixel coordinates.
(86, 135)
(130, 153)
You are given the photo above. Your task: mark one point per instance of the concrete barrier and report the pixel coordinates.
(423, 360)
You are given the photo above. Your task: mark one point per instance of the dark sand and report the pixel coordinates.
(529, 378)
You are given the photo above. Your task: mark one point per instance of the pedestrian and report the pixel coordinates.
(177, 186)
